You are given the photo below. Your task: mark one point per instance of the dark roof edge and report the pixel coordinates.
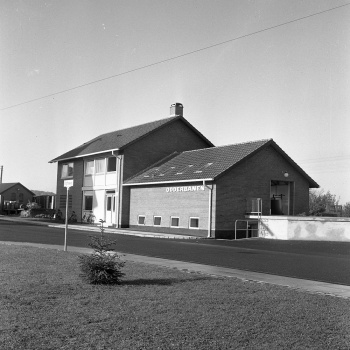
(58, 159)
(18, 183)
(172, 120)
(167, 182)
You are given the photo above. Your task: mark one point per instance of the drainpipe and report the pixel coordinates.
(210, 205)
(119, 168)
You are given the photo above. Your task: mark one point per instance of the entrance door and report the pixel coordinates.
(281, 196)
(110, 208)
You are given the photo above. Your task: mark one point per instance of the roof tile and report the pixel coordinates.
(205, 163)
(114, 140)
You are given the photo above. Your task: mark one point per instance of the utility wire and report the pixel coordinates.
(177, 57)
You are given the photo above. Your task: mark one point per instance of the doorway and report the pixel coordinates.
(110, 208)
(282, 197)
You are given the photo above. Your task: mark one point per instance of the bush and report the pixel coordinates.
(103, 266)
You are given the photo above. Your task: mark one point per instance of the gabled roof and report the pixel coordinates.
(6, 186)
(206, 164)
(120, 139)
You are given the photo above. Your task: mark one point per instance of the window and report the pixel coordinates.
(100, 166)
(67, 170)
(111, 164)
(175, 221)
(141, 220)
(21, 198)
(89, 167)
(109, 203)
(88, 203)
(157, 220)
(194, 222)
(13, 196)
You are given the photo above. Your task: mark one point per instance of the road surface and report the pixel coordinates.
(319, 261)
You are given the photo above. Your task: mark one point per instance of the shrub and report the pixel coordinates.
(103, 266)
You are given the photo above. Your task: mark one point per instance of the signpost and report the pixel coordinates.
(68, 184)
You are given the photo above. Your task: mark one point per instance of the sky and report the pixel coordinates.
(244, 71)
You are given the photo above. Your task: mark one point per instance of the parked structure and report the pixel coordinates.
(13, 197)
(166, 176)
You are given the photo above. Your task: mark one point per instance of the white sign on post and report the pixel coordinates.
(68, 184)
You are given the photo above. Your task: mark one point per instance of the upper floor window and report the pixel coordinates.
(67, 170)
(111, 164)
(100, 165)
(89, 167)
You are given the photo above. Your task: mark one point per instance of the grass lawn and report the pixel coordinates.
(45, 305)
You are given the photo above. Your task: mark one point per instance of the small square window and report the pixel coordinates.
(194, 222)
(157, 220)
(175, 222)
(67, 170)
(141, 220)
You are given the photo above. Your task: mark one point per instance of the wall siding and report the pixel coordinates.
(156, 201)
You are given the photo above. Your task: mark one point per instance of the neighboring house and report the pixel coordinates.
(100, 166)
(14, 196)
(203, 192)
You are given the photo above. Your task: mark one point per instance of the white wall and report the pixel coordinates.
(305, 228)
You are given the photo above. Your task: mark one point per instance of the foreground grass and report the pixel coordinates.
(45, 305)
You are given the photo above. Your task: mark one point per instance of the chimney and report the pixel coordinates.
(1, 169)
(176, 109)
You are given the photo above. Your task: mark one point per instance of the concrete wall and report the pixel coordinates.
(306, 228)
(160, 201)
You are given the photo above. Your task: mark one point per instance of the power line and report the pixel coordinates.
(176, 57)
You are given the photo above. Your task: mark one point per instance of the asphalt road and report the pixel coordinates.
(318, 261)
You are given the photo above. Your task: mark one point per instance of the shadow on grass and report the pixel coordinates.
(161, 281)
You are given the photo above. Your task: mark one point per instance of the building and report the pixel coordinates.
(203, 192)
(166, 176)
(101, 166)
(13, 197)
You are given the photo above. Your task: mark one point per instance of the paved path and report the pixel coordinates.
(295, 283)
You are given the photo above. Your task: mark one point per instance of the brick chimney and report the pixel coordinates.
(176, 109)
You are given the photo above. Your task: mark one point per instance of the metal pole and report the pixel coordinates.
(66, 228)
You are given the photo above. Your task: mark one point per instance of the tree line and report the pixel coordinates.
(326, 204)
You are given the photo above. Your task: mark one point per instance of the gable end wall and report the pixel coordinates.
(251, 179)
